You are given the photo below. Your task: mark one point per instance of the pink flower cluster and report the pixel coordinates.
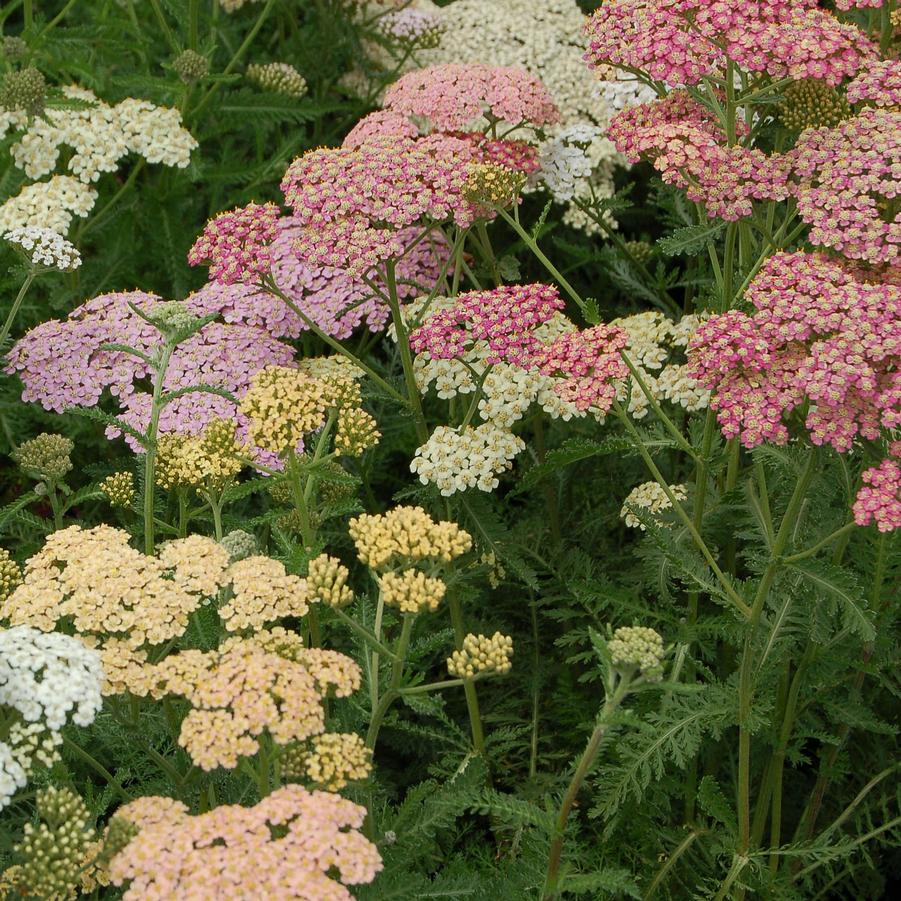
(818, 337)
(351, 204)
(587, 365)
(681, 42)
(235, 245)
(686, 146)
(504, 318)
(287, 846)
(879, 498)
(849, 182)
(62, 363)
(337, 302)
(878, 84)
(453, 97)
(845, 5)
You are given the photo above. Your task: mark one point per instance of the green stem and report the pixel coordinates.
(98, 767)
(164, 25)
(57, 18)
(847, 528)
(363, 632)
(671, 861)
(104, 211)
(582, 769)
(14, 309)
(28, 14)
(397, 672)
(150, 444)
(469, 689)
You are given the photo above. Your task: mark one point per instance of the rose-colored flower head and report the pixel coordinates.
(878, 84)
(351, 205)
(504, 318)
(587, 365)
(380, 124)
(849, 181)
(235, 245)
(879, 498)
(817, 334)
(681, 42)
(684, 143)
(454, 97)
(293, 844)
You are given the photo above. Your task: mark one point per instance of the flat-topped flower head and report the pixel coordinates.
(453, 97)
(50, 205)
(293, 844)
(878, 84)
(262, 593)
(236, 245)
(650, 498)
(879, 498)
(44, 248)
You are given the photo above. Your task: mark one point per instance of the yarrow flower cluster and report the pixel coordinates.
(45, 457)
(49, 205)
(279, 78)
(10, 574)
(292, 844)
(817, 334)
(327, 581)
(649, 497)
(810, 103)
(638, 648)
(333, 760)
(879, 498)
(480, 655)
(235, 245)
(44, 248)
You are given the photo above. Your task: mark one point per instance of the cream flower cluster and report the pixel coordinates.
(327, 581)
(48, 680)
(473, 457)
(638, 647)
(334, 759)
(48, 204)
(480, 655)
(44, 248)
(101, 135)
(651, 498)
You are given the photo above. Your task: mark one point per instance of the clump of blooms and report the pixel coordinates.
(46, 457)
(288, 846)
(63, 363)
(566, 160)
(190, 66)
(650, 498)
(335, 759)
(10, 574)
(279, 78)
(50, 205)
(453, 97)
(812, 104)
(231, 6)
(327, 581)
(848, 181)
(282, 406)
(638, 648)
(683, 142)
(262, 592)
(879, 498)
(411, 591)
(505, 318)
(404, 536)
(480, 655)
(119, 489)
(879, 84)
(352, 204)
(356, 433)
(817, 334)
(235, 245)
(44, 248)
(210, 460)
(46, 681)
(472, 457)
(683, 43)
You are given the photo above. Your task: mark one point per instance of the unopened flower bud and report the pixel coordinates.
(191, 67)
(24, 90)
(481, 655)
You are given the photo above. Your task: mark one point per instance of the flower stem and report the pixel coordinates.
(14, 309)
(150, 445)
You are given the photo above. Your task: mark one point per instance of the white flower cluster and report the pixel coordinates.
(459, 460)
(411, 25)
(231, 6)
(638, 647)
(48, 204)
(44, 247)
(566, 159)
(651, 497)
(619, 91)
(655, 342)
(48, 679)
(101, 135)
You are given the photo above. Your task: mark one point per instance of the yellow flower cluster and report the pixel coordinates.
(333, 760)
(327, 581)
(406, 535)
(411, 591)
(493, 184)
(210, 459)
(480, 655)
(357, 432)
(10, 575)
(283, 405)
(119, 489)
(198, 564)
(262, 593)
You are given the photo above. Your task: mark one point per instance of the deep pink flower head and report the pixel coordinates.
(817, 336)
(879, 498)
(504, 318)
(453, 97)
(62, 363)
(337, 302)
(849, 182)
(294, 843)
(878, 84)
(351, 205)
(680, 138)
(588, 364)
(845, 5)
(681, 42)
(235, 245)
